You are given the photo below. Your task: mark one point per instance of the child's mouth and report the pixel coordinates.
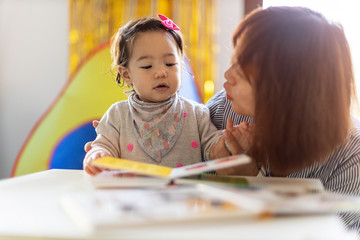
(161, 87)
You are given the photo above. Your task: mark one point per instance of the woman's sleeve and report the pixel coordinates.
(346, 180)
(216, 108)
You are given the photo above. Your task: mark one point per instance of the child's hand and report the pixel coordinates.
(89, 158)
(87, 146)
(219, 150)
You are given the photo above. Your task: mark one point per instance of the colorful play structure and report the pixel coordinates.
(58, 138)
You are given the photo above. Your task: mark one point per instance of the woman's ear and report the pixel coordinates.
(124, 72)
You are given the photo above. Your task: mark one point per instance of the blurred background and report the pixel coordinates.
(55, 67)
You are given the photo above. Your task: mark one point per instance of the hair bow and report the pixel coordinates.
(168, 22)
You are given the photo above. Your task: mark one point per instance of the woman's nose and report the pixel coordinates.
(227, 75)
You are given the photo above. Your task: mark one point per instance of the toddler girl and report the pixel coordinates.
(155, 124)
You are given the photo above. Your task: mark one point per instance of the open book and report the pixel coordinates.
(168, 172)
(106, 210)
(123, 173)
(113, 209)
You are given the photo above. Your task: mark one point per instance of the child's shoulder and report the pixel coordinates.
(196, 108)
(119, 105)
(191, 102)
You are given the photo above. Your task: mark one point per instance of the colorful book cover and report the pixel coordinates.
(168, 172)
(107, 210)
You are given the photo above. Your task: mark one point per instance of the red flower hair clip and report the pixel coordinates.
(168, 22)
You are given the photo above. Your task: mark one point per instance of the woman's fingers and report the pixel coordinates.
(229, 125)
(243, 133)
(237, 138)
(232, 143)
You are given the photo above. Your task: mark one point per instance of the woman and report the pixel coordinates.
(292, 73)
(291, 78)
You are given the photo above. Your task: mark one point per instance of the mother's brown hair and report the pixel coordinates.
(303, 85)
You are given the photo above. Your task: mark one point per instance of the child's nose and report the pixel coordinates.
(160, 73)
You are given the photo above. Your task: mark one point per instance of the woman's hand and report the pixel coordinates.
(87, 146)
(238, 140)
(235, 140)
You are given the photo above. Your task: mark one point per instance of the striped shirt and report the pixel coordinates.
(339, 173)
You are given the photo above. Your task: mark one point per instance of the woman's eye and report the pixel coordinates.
(146, 67)
(171, 64)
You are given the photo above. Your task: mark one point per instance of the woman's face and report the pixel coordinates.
(239, 90)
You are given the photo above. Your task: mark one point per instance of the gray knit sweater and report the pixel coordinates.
(116, 132)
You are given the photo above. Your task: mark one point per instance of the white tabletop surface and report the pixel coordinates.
(30, 209)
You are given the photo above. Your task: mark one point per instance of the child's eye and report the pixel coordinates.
(146, 67)
(171, 64)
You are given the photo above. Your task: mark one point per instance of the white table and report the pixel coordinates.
(29, 209)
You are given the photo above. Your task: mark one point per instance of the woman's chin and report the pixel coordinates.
(240, 110)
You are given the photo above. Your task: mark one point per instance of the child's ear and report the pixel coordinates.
(124, 72)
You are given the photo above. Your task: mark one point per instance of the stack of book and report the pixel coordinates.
(134, 194)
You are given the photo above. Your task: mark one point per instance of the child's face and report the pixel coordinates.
(154, 67)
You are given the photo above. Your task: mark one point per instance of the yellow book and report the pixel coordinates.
(112, 163)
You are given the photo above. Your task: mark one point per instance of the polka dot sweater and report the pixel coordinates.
(116, 135)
